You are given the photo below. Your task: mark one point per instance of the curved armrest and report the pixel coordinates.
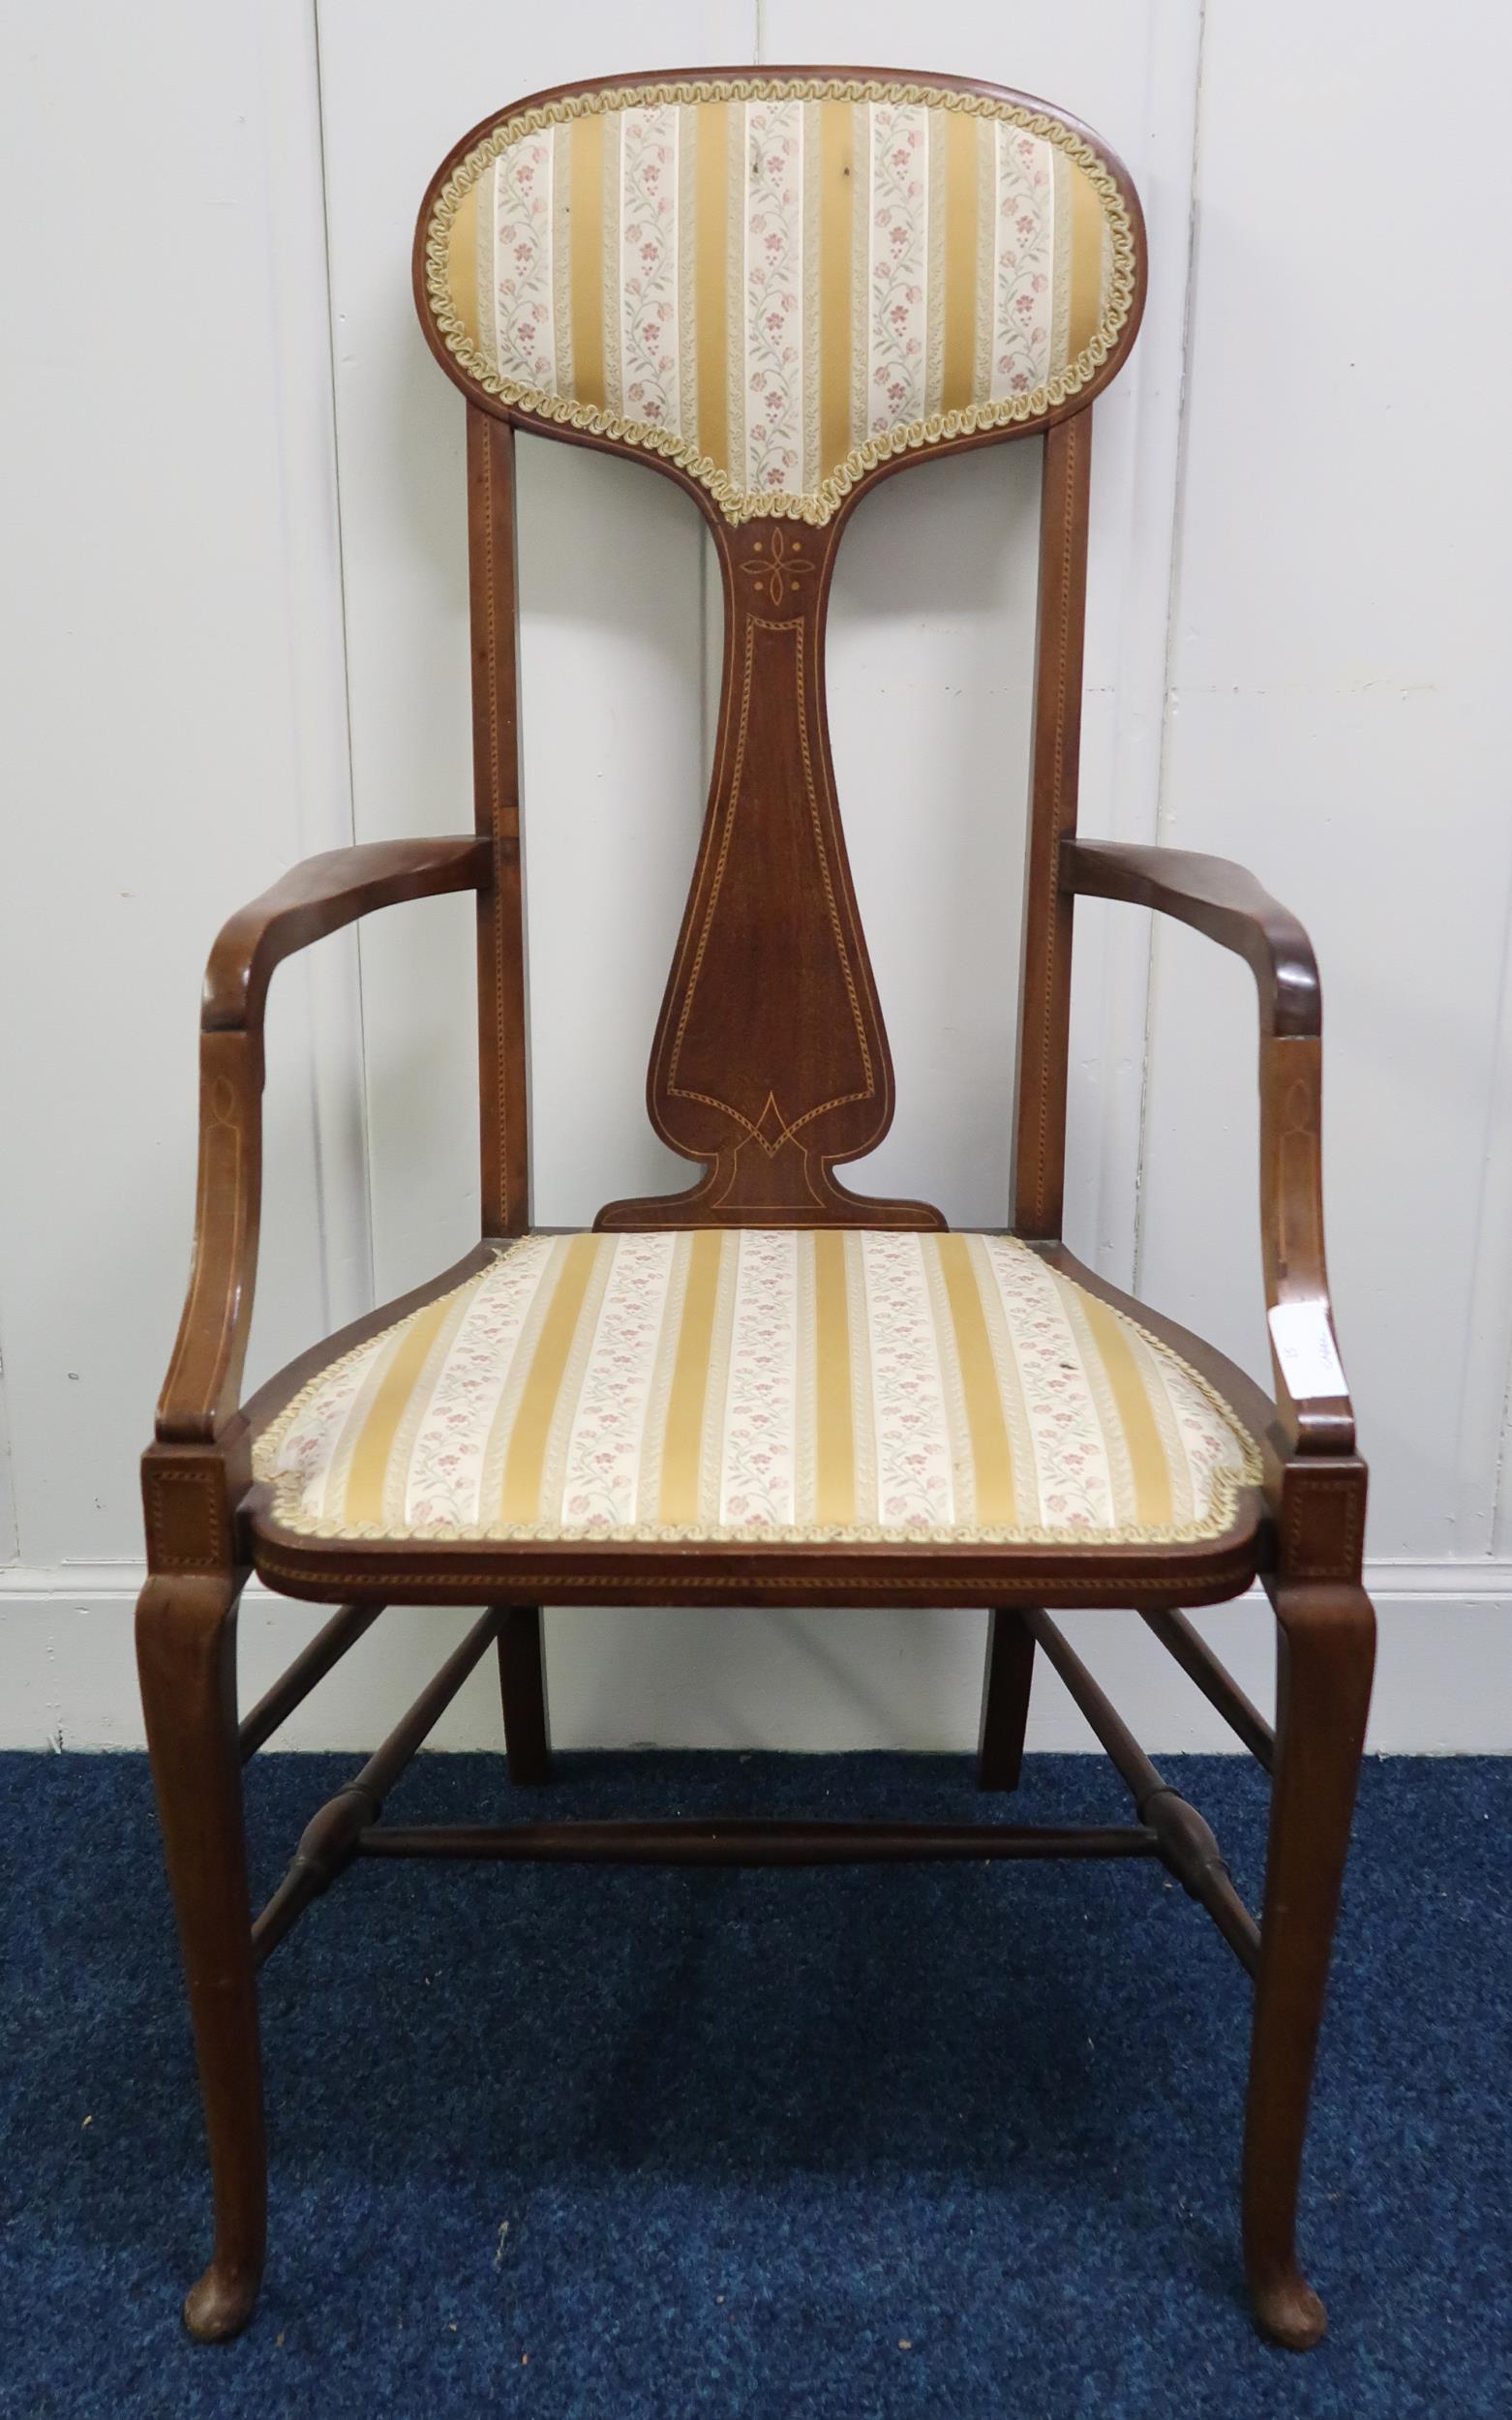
(317, 897)
(204, 1375)
(1221, 901)
(1227, 904)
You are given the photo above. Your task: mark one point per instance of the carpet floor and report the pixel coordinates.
(592, 2146)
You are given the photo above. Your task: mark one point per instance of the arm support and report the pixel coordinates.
(1228, 906)
(204, 1377)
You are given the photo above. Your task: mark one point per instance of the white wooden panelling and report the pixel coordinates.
(729, 1679)
(310, 537)
(174, 725)
(10, 1537)
(1340, 717)
(615, 776)
(929, 668)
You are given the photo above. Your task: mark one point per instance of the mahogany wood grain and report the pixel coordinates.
(316, 898)
(522, 1688)
(1326, 1657)
(1221, 900)
(1229, 906)
(185, 1647)
(491, 555)
(1055, 763)
(643, 1572)
(1006, 1684)
(770, 1063)
(203, 1383)
(750, 1840)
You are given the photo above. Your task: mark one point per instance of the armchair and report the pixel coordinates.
(766, 1389)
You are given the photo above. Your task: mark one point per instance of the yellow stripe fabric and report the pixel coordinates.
(586, 216)
(526, 1459)
(462, 262)
(834, 1484)
(1087, 263)
(957, 383)
(681, 1452)
(1136, 1417)
(992, 1461)
(387, 1413)
(750, 1384)
(764, 238)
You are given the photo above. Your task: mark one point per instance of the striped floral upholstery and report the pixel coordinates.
(780, 282)
(776, 1385)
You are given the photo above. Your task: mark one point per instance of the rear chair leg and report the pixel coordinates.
(186, 1651)
(522, 1685)
(1327, 1653)
(1004, 1699)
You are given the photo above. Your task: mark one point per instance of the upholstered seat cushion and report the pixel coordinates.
(757, 1384)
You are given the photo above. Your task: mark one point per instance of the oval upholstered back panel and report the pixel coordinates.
(778, 283)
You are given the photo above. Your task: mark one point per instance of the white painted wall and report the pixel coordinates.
(235, 632)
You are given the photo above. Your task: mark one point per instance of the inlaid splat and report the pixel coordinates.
(771, 1061)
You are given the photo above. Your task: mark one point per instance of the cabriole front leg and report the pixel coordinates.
(186, 1649)
(1325, 1658)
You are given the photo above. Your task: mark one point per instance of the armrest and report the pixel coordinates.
(1221, 901)
(316, 898)
(1227, 904)
(204, 1375)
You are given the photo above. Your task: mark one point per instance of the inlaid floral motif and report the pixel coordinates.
(774, 296)
(1074, 1483)
(899, 266)
(649, 266)
(450, 1445)
(914, 1481)
(1023, 263)
(778, 565)
(760, 1424)
(522, 262)
(604, 1452)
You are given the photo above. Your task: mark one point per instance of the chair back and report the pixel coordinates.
(778, 288)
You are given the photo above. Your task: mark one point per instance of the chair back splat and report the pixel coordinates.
(778, 288)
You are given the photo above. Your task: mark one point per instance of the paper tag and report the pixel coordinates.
(1306, 1350)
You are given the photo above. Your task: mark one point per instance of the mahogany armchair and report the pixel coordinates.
(777, 288)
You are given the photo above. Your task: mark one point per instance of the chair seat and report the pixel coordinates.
(758, 1386)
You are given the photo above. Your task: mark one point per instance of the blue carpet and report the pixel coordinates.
(945, 2141)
